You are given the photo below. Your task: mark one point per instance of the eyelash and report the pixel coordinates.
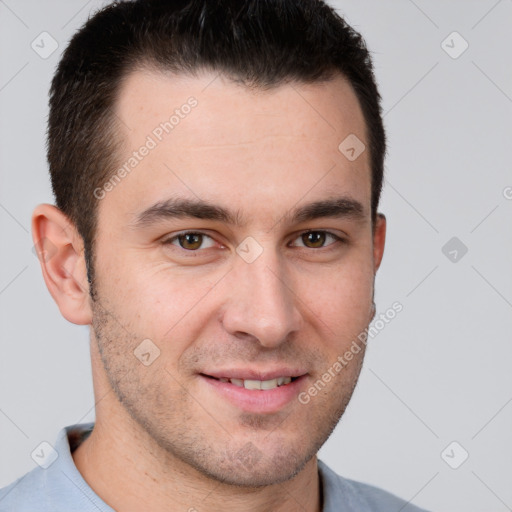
(169, 241)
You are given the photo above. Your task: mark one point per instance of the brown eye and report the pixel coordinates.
(317, 240)
(314, 239)
(190, 241)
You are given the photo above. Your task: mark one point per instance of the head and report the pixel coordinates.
(211, 224)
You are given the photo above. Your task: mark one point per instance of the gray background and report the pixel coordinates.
(440, 371)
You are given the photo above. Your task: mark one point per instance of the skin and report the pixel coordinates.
(164, 439)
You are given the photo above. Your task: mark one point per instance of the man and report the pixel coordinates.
(217, 168)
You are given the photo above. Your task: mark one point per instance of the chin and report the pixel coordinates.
(257, 462)
(252, 469)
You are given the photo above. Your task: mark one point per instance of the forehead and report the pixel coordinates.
(209, 136)
(149, 96)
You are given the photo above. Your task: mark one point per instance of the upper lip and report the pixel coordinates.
(253, 374)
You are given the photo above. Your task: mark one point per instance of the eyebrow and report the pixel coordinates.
(180, 208)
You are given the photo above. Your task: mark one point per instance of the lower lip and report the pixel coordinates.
(255, 400)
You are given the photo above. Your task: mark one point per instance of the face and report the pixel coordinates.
(237, 253)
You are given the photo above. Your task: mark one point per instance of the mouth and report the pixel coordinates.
(262, 385)
(256, 392)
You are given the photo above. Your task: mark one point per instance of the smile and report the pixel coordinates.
(259, 384)
(267, 394)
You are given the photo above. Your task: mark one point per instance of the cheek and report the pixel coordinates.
(166, 306)
(340, 298)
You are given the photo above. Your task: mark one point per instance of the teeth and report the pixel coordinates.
(269, 384)
(258, 384)
(252, 384)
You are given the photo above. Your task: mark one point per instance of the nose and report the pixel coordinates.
(262, 304)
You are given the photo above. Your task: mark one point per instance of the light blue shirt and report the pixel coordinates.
(56, 485)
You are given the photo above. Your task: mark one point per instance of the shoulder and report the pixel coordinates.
(357, 496)
(55, 485)
(25, 494)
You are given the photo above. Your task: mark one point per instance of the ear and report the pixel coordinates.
(379, 240)
(61, 254)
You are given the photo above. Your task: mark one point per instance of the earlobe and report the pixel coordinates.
(60, 251)
(379, 240)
